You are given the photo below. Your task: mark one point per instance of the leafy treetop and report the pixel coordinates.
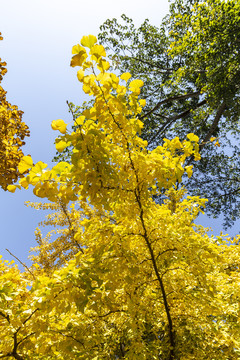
(190, 68)
(147, 282)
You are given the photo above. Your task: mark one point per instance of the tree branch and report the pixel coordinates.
(170, 120)
(171, 335)
(170, 99)
(24, 265)
(216, 120)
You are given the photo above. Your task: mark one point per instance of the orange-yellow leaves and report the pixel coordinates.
(79, 57)
(11, 188)
(25, 164)
(59, 125)
(12, 133)
(77, 60)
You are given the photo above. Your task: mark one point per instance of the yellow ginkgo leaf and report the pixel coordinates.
(192, 137)
(97, 51)
(39, 167)
(77, 49)
(103, 65)
(79, 120)
(188, 170)
(24, 183)
(77, 60)
(126, 76)
(135, 85)
(80, 75)
(25, 164)
(61, 145)
(59, 125)
(11, 188)
(142, 102)
(88, 41)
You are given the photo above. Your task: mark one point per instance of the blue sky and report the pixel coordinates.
(38, 37)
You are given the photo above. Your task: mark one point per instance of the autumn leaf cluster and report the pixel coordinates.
(12, 133)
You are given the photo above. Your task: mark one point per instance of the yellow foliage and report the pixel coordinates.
(120, 276)
(12, 133)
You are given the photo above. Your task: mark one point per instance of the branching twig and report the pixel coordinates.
(24, 265)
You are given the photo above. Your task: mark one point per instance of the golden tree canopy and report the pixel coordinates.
(12, 133)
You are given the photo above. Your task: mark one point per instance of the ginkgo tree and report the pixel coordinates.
(141, 281)
(12, 133)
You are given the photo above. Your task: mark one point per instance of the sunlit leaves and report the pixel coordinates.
(193, 137)
(88, 41)
(126, 76)
(120, 275)
(97, 51)
(78, 59)
(59, 125)
(25, 164)
(12, 188)
(61, 145)
(135, 86)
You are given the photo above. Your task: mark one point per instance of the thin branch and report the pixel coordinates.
(163, 252)
(170, 120)
(68, 336)
(162, 70)
(29, 317)
(25, 338)
(24, 265)
(171, 335)
(110, 312)
(63, 207)
(7, 317)
(70, 109)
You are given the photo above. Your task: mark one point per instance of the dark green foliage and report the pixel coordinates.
(190, 66)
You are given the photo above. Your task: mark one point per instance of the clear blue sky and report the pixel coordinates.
(38, 37)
